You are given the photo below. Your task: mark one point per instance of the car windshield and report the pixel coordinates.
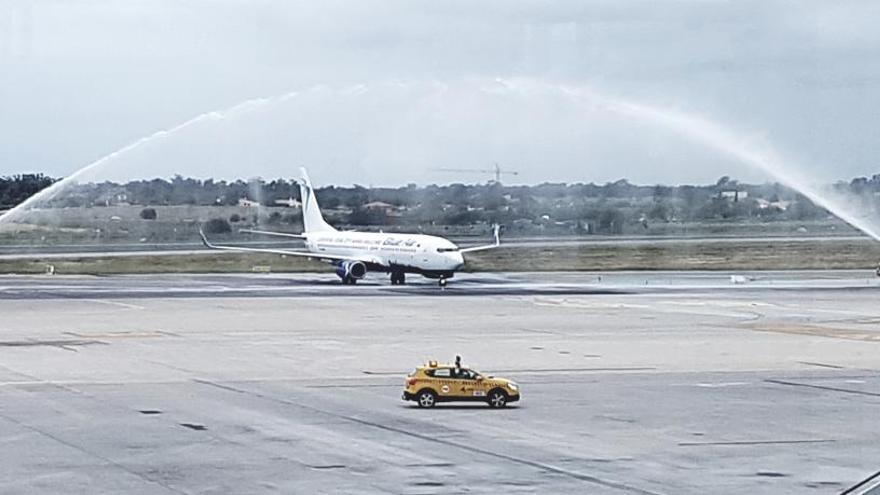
(465, 374)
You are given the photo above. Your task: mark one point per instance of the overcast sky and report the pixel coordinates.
(388, 91)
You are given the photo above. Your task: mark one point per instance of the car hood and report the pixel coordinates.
(498, 381)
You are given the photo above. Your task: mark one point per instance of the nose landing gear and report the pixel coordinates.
(442, 282)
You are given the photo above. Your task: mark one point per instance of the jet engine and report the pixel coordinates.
(351, 270)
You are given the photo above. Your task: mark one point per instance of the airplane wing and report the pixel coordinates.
(278, 234)
(286, 252)
(496, 234)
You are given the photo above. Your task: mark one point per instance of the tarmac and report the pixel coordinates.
(632, 383)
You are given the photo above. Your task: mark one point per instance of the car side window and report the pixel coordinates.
(466, 375)
(441, 373)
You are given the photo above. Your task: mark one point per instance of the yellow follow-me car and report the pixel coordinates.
(434, 383)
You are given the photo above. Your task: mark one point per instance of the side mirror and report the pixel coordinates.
(480, 378)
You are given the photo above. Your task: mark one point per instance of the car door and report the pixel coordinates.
(444, 383)
(480, 387)
(466, 384)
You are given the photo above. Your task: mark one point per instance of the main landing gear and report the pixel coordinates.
(398, 278)
(349, 280)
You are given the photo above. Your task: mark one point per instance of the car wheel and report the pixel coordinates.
(427, 398)
(497, 398)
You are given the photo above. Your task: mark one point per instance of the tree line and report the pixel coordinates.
(17, 188)
(613, 207)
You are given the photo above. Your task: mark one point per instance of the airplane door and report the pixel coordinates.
(409, 253)
(423, 255)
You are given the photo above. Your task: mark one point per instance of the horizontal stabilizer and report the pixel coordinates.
(277, 234)
(496, 234)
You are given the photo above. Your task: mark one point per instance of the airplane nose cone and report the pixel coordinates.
(458, 259)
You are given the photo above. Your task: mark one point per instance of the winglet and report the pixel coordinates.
(266, 232)
(496, 233)
(205, 239)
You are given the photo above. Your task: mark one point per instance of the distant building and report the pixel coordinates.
(782, 205)
(378, 205)
(388, 209)
(289, 202)
(779, 205)
(248, 203)
(114, 197)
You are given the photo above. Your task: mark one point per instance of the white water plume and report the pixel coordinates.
(763, 157)
(59, 187)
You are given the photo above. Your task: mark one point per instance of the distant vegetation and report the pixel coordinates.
(612, 208)
(217, 226)
(17, 188)
(148, 214)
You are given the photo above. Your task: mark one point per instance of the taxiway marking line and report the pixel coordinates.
(824, 387)
(721, 384)
(752, 442)
(822, 365)
(115, 303)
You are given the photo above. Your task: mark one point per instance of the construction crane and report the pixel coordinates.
(496, 170)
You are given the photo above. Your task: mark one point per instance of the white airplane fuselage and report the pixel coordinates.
(415, 253)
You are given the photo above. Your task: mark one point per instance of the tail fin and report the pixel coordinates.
(313, 221)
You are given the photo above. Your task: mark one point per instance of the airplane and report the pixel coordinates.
(356, 253)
